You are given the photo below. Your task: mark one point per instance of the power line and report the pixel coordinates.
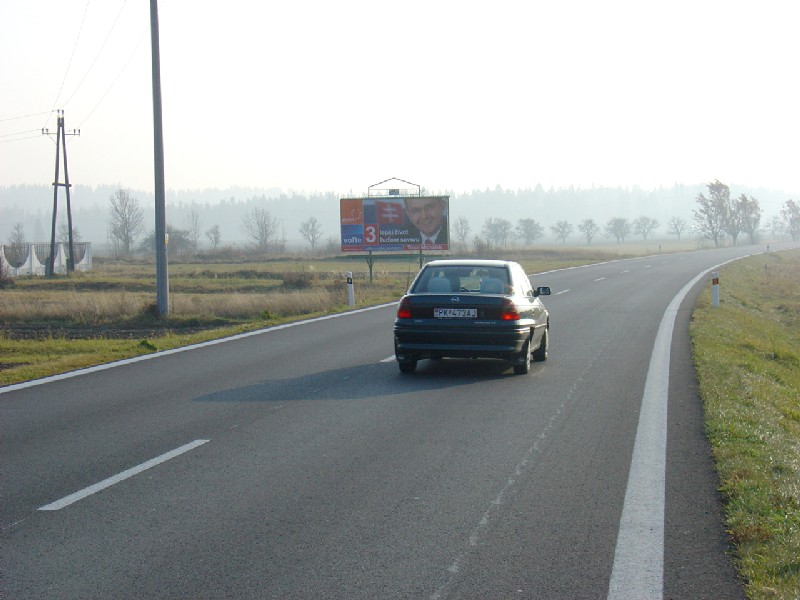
(69, 64)
(114, 82)
(46, 112)
(21, 139)
(97, 56)
(18, 133)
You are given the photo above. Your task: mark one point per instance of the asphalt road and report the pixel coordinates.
(299, 463)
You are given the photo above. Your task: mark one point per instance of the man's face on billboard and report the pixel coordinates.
(426, 214)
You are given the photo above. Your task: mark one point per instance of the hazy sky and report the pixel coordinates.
(322, 95)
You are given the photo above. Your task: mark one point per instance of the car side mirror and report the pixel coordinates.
(541, 291)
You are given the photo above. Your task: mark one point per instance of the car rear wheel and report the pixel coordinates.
(525, 360)
(407, 366)
(540, 354)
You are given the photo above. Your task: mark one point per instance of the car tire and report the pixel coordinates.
(525, 360)
(540, 354)
(407, 366)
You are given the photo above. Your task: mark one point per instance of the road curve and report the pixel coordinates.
(299, 463)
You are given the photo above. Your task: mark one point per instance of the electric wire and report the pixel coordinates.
(113, 83)
(38, 114)
(23, 132)
(69, 64)
(121, 71)
(97, 56)
(80, 84)
(30, 137)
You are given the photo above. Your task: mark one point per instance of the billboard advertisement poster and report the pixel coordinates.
(394, 224)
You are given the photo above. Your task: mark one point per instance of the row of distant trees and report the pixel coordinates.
(718, 218)
(126, 225)
(499, 232)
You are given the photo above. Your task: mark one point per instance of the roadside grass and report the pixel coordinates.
(47, 333)
(747, 356)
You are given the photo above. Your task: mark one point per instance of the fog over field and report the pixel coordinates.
(32, 206)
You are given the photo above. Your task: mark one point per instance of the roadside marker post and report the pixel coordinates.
(351, 295)
(715, 288)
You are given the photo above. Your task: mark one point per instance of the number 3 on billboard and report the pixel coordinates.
(370, 234)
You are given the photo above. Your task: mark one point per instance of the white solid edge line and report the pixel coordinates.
(127, 361)
(93, 489)
(638, 570)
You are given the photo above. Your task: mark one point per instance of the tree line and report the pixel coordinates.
(717, 217)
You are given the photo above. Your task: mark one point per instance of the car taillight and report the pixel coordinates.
(510, 312)
(404, 310)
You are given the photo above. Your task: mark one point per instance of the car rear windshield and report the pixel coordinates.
(450, 278)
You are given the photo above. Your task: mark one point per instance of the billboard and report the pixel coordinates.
(394, 223)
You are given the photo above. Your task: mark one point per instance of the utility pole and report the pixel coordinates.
(162, 276)
(61, 147)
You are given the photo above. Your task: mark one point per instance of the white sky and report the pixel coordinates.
(454, 95)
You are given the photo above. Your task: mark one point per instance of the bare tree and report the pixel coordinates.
(528, 230)
(589, 229)
(126, 221)
(261, 227)
(618, 228)
(677, 226)
(791, 218)
(17, 237)
(63, 233)
(497, 230)
(562, 230)
(5, 275)
(775, 226)
(644, 226)
(711, 216)
(214, 236)
(461, 228)
(193, 229)
(311, 230)
(749, 216)
(17, 251)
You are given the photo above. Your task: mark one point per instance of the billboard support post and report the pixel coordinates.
(370, 262)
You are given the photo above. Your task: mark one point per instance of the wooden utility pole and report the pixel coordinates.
(61, 148)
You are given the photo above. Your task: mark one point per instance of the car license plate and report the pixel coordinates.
(455, 313)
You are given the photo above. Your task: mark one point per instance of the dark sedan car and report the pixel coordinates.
(472, 309)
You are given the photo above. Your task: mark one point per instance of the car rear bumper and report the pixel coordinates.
(418, 343)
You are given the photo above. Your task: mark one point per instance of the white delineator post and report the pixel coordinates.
(351, 295)
(715, 288)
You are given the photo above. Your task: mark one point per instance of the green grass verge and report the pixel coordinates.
(747, 355)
